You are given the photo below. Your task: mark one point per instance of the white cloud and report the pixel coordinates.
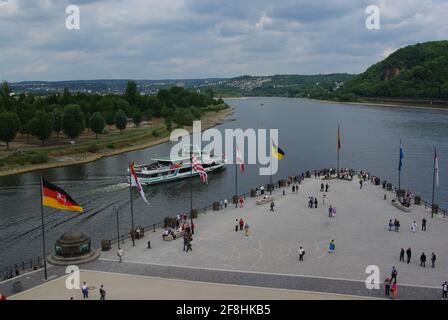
(206, 38)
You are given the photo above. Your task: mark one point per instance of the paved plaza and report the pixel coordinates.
(360, 231)
(227, 264)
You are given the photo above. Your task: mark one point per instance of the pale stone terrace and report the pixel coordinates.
(360, 231)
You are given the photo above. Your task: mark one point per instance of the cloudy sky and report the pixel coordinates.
(156, 39)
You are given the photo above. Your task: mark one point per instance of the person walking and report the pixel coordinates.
(327, 186)
(85, 290)
(414, 226)
(321, 187)
(241, 202)
(393, 274)
(331, 246)
(408, 255)
(330, 211)
(394, 290)
(293, 188)
(246, 229)
(387, 287)
(402, 255)
(315, 202)
(445, 290)
(423, 260)
(226, 202)
(120, 255)
(391, 224)
(272, 206)
(185, 241)
(102, 293)
(301, 253)
(241, 224)
(424, 224)
(360, 184)
(221, 204)
(189, 240)
(236, 224)
(433, 260)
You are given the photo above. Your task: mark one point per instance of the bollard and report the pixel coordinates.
(149, 244)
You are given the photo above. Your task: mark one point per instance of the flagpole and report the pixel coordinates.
(43, 227)
(236, 184)
(337, 165)
(433, 183)
(132, 206)
(270, 186)
(399, 171)
(191, 186)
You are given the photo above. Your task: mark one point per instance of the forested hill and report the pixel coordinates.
(415, 71)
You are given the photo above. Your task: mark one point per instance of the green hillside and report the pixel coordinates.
(415, 71)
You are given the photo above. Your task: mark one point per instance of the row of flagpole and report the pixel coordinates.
(435, 177)
(196, 166)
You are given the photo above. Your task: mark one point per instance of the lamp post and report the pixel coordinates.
(118, 228)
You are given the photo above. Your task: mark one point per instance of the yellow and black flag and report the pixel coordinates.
(55, 197)
(277, 152)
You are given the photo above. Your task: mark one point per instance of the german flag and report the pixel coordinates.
(277, 152)
(55, 197)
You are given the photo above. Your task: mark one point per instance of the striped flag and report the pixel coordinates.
(136, 183)
(55, 197)
(436, 166)
(197, 167)
(239, 159)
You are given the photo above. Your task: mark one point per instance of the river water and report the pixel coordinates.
(307, 133)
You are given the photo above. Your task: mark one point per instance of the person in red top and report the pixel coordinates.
(241, 224)
(241, 202)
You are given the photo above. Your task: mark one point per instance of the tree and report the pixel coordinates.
(109, 117)
(41, 126)
(131, 93)
(97, 123)
(5, 97)
(120, 120)
(9, 126)
(137, 118)
(73, 123)
(57, 121)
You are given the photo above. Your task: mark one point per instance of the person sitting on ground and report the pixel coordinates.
(166, 233)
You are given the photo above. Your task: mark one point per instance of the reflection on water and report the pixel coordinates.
(307, 133)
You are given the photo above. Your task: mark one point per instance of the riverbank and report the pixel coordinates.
(386, 104)
(95, 149)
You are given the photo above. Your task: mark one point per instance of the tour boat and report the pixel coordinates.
(168, 168)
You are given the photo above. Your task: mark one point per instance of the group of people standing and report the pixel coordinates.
(240, 225)
(408, 253)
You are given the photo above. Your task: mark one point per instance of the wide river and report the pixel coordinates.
(307, 134)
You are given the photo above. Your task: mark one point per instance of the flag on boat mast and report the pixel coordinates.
(197, 167)
(136, 183)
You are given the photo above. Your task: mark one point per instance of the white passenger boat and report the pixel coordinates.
(167, 168)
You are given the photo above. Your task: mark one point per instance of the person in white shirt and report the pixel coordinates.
(301, 253)
(414, 226)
